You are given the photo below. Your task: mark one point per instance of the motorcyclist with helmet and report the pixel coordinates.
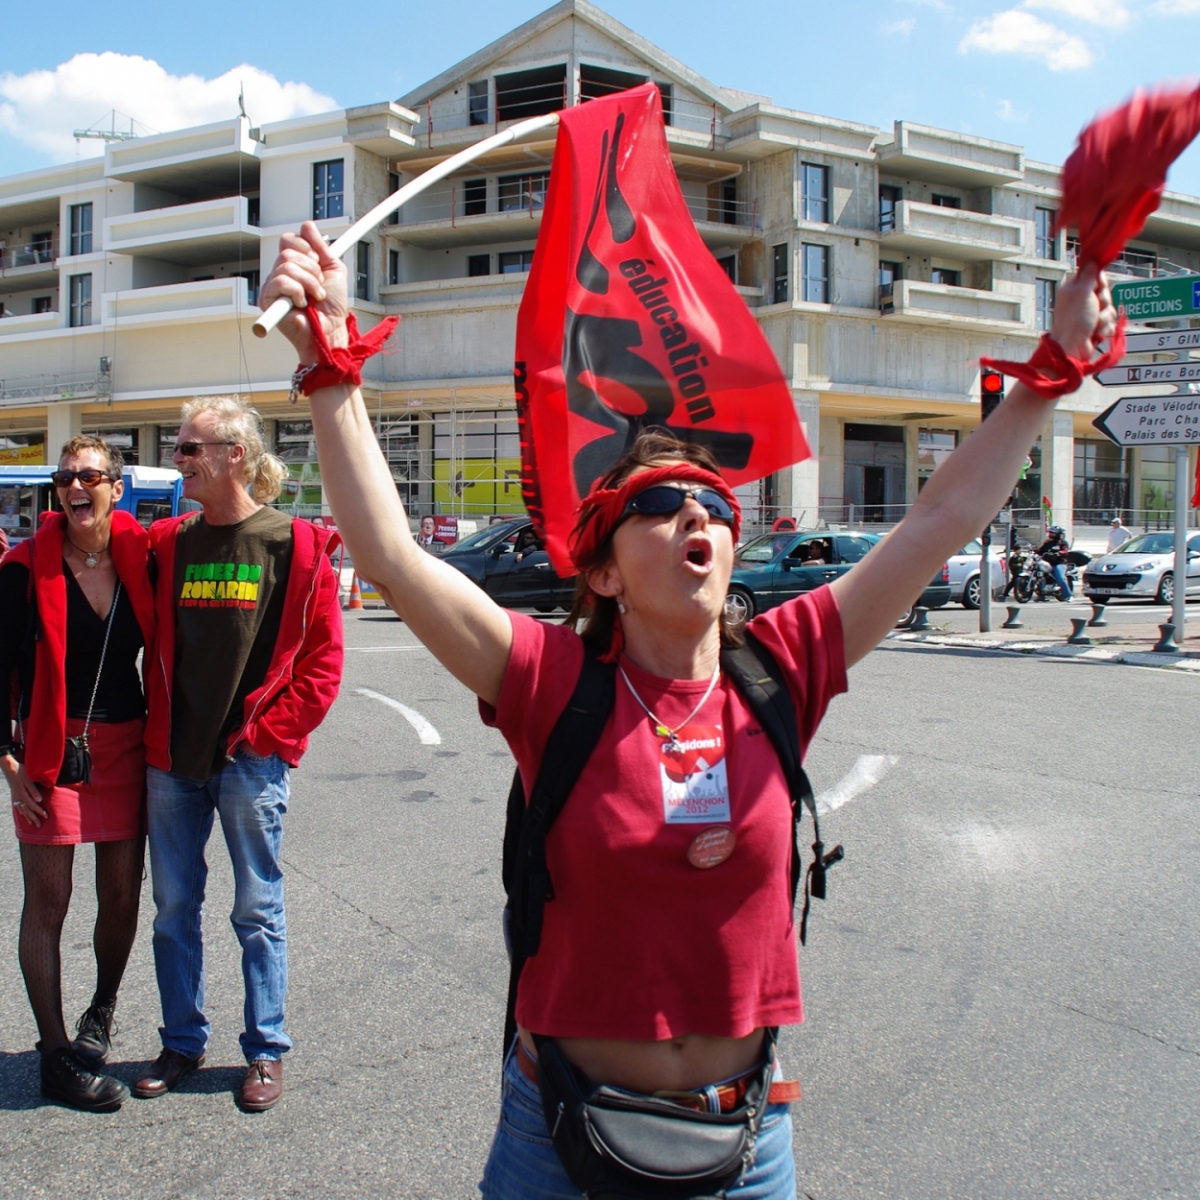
(1054, 550)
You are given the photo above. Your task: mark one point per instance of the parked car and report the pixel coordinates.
(509, 564)
(964, 574)
(780, 566)
(1142, 569)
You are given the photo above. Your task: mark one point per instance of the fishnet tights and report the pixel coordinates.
(48, 871)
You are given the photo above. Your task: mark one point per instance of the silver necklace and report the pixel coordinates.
(91, 558)
(660, 726)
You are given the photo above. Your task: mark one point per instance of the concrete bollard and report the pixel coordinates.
(1014, 617)
(920, 618)
(1078, 637)
(1098, 616)
(1166, 642)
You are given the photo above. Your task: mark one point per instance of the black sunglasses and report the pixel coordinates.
(89, 477)
(663, 500)
(191, 449)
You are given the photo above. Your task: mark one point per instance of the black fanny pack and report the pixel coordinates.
(619, 1145)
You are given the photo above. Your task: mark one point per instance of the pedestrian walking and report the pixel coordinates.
(248, 662)
(76, 609)
(1118, 535)
(667, 957)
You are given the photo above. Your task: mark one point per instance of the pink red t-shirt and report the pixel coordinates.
(638, 943)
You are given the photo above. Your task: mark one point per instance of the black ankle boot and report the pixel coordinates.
(95, 1029)
(68, 1079)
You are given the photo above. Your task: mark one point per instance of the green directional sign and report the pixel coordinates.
(1158, 299)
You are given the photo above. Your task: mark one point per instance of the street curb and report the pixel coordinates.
(1100, 654)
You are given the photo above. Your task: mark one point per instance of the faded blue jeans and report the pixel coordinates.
(523, 1164)
(250, 795)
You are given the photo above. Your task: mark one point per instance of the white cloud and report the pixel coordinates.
(1019, 32)
(1006, 112)
(940, 5)
(42, 108)
(903, 28)
(1110, 14)
(1177, 8)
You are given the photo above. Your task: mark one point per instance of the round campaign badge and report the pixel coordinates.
(711, 848)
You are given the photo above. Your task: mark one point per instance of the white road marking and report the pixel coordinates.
(426, 732)
(867, 771)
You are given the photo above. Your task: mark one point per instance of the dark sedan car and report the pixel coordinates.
(780, 566)
(508, 562)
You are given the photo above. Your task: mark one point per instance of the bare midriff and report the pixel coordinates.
(677, 1064)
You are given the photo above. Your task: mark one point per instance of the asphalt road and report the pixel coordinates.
(1001, 989)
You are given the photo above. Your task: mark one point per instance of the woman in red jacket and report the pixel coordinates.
(76, 607)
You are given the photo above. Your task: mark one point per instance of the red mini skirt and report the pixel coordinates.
(112, 808)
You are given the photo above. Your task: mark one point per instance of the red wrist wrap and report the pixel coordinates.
(343, 364)
(1065, 373)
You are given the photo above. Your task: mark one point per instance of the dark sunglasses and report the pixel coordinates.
(191, 449)
(664, 500)
(89, 477)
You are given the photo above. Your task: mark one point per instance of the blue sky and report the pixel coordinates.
(1031, 72)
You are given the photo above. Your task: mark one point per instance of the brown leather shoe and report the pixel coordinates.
(164, 1074)
(263, 1084)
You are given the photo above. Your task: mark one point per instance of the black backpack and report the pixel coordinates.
(527, 881)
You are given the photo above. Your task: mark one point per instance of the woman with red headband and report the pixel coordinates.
(666, 960)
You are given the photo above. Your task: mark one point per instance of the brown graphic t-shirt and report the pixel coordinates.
(230, 583)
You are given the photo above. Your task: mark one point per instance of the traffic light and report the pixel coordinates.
(991, 390)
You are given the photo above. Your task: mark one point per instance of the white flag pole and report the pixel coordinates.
(397, 199)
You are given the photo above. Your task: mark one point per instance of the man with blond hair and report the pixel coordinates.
(247, 662)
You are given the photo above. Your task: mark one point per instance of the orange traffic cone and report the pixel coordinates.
(355, 595)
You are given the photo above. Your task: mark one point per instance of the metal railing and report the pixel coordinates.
(35, 254)
(55, 387)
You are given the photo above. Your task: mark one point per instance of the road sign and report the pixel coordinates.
(1165, 339)
(1176, 372)
(1157, 299)
(1152, 421)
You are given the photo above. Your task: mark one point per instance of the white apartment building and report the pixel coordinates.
(880, 264)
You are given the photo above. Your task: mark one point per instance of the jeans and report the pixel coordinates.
(1060, 577)
(250, 795)
(523, 1164)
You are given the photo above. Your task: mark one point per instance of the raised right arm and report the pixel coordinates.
(464, 628)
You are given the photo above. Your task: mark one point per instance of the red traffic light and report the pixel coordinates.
(991, 383)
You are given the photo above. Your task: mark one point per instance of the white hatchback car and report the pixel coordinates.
(964, 574)
(1142, 569)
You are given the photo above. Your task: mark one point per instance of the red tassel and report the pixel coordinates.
(344, 364)
(1067, 372)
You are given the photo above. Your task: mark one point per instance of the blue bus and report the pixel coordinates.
(26, 493)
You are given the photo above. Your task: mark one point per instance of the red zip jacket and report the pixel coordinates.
(306, 667)
(42, 554)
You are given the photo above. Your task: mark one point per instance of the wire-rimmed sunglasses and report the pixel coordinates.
(664, 500)
(191, 449)
(90, 477)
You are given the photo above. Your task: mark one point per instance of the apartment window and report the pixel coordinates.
(889, 202)
(477, 102)
(515, 262)
(253, 210)
(727, 201)
(728, 264)
(519, 192)
(43, 304)
(815, 187)
(1102, 476)
(81, 229)
(474, 197)
(393, 266)
(595, 82)
(328, 190)
(779, 274)
(945, 201)
(1045, 304)
(666, 93)
(945, 276)
(1043, 221)
(362, 271)
(524, 94)
(815, 265)
(81, 300)
(479, 264)
(889, 276)
(43, 247)
(393, 188)
(252, 284)
(1072, 252)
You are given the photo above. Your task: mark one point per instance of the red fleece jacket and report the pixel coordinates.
(306, 668)
(43, 555)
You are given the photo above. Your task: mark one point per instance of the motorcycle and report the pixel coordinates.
(1036, 581)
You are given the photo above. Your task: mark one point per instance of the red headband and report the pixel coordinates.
(602, 509)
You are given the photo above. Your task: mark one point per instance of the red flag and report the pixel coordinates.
(1115, 177)
(628, 323)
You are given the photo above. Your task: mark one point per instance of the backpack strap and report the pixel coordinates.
(526, 878)
(758, 677)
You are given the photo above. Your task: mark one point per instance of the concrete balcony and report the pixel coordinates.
(205, 300)
(937, 304)
(921, 152)
(454, 295)
(761, 129)
(211, 231)
(1176, 223)
(30, 266)
(953, 233)
(382, 129)
(29, 323)
(190, 162)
